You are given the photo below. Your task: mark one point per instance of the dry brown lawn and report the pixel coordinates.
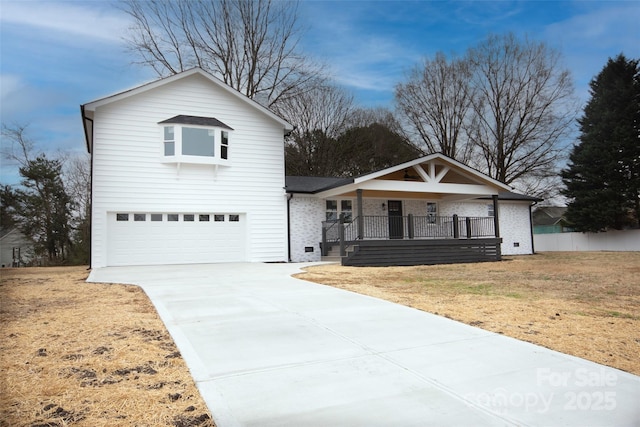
(584, 304)
(73, 353)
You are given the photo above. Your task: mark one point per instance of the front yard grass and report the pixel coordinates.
(73, 353)
(586, 304)
(84, 354)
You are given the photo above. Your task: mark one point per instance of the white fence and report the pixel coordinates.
(625, 240)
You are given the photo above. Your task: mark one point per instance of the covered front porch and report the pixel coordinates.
(397, 239)
(432, 210)
(420, 212)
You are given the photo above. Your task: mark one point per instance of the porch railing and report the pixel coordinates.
(406, 227)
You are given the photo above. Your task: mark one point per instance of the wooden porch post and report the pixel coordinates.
(456, 227)
(325, 246)
(360, 214)
(496, 222)
(410, 226)
(343, 246)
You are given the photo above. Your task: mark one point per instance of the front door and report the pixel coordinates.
(396, 229)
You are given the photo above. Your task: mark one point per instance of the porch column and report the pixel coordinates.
(496, 222)
(360, 214)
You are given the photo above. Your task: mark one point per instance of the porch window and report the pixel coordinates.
(332, 210)
(335, 208)
(346, 208)
(490, 211)
(432, 212)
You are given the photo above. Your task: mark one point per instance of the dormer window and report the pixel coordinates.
(192, 139)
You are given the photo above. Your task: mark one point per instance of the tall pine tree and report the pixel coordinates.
(43, 207)
(603, 175)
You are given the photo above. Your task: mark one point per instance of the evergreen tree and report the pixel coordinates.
(43, 207)
(603, 175)
(7, 207)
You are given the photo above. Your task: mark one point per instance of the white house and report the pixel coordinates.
(188, 170)
(185, 170)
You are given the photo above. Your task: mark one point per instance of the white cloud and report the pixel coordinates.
(16, 97)
(8, 85)
(602, 28)
(588, 39)
(68, 18)
(24, 102)
(359, 55)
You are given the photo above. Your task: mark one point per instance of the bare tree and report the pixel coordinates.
(251, 45)
(363, 117)
(435, 102)
(523, 107)
(319, 115)
(322, 107)
(17, 147)
(77, 177)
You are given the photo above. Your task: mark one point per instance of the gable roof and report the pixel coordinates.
(333, 186)
(90, 107)
(435, 156)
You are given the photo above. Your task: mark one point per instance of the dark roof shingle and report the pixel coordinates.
(313, 184)
(195, 120)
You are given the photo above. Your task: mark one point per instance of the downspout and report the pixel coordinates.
(533, 248)
(85, 119)
(289, 197)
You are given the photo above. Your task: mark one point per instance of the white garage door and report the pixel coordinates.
(175, 238)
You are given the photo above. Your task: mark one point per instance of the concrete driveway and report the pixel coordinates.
(269, 350)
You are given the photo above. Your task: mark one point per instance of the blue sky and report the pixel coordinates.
(56, 55)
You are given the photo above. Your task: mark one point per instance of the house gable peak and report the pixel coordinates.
(89, 108)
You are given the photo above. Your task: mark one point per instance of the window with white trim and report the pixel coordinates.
(169, 141)
(490, 211)
(191, 139)
(432, 212)
(335, 208)
(224, 145)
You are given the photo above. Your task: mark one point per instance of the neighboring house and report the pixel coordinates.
(16, 250)
(550, 219)
(188, 170)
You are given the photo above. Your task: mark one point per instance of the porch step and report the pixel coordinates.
(334, 253)
(331, 258)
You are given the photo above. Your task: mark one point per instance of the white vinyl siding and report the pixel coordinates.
(129, 175)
